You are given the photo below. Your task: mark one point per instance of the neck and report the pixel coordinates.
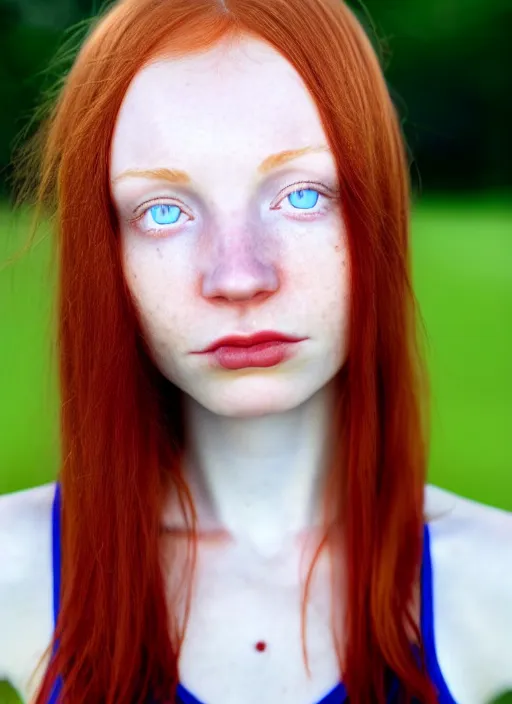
(259, 479)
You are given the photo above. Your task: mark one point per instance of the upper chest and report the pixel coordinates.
(237, 602)
(240, 600)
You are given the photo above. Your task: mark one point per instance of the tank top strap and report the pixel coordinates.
(56, 564)
(427, 623)
(56, 550)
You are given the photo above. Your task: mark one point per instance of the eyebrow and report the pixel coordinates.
(182, 177)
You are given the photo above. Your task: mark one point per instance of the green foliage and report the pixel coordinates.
(445, 63)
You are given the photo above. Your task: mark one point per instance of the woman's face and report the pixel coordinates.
(219, 237)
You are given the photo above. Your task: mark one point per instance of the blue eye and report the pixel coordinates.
(165, 214)
(307, 198)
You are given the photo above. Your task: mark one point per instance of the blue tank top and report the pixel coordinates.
(337, 695)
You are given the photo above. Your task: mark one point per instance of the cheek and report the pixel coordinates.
(319, 275)
(162, 295)
(321, 284)
(331, 304)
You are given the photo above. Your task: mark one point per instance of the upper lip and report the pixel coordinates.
(248, 340)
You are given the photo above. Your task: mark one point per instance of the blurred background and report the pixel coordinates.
(448, 66)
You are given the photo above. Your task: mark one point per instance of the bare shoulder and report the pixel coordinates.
(25, 520)
(471, 546)
(474, 536)
(26, 589)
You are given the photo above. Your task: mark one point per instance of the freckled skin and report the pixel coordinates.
(234, 262)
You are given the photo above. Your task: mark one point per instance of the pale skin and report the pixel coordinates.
(241, 259)
(238, 257)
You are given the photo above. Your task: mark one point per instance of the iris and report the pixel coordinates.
(165, 214)
(307, 198)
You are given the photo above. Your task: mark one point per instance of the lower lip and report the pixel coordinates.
(266, 354)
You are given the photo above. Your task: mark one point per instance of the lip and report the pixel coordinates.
(250, 340)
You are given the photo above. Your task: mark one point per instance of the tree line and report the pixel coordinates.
(447, 65)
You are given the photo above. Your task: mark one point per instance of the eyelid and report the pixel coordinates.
(303, 186)
(143, 208)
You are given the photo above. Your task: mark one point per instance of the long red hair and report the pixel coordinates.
(121, 422)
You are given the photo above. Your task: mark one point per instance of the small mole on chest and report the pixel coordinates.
(260, 646)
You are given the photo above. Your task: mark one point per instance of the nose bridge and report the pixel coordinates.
(238, 259)
(240, 243)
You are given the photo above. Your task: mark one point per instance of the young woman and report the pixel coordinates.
(241, 513)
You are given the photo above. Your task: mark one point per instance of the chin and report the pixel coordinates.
(251, 396)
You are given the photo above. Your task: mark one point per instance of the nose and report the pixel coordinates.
(237, 272)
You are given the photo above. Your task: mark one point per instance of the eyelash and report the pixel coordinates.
(163, 230)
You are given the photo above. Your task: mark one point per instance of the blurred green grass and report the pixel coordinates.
(462, 265)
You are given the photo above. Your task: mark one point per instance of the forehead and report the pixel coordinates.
(232, 103)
